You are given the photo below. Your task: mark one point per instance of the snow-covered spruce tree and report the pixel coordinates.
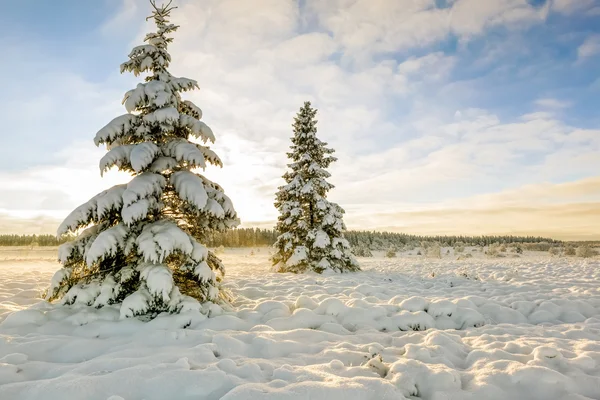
(139, 244)
(310, 228)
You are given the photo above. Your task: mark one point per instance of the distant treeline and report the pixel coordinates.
(254, 237)
(243, 237)
(31, 240)
(385, 240)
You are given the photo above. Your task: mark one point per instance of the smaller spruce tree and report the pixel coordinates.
(311, 228)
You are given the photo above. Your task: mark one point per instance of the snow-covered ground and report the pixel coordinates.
(510, 328)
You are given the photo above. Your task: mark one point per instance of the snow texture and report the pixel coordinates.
(401, 328)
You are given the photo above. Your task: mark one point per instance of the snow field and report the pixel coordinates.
(524, 328)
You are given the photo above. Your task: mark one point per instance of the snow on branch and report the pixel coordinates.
(143, 57)
(204, 273)
(214, 208)
(211, 156)
(118, 127)
(216, 192)
(77, 248)
(183, 84)
(320, 239)
(190, 187)
(159, 280)
(162, 164)
(142, 186)
(107, 244)
(166, 115)
(136, 303)
(199, 252)
(58, 279)
(160, 239)
(150, 94)
(138, 210)
(117, 156)
(198, 129)
(191, 109)
(142, 155)
(109, 200)
(93, 209)
(184, 151)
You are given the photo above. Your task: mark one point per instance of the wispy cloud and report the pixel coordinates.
(551, 103)
(589, 48)
(570, 7)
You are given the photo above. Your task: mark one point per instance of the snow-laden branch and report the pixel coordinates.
(160, 239)
(93, 209)
(190, 187)
(107, 244)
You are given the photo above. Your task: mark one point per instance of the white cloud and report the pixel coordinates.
(54, 190)
(551, 103)
(471, 154)
(569, 7)
(589, 48)
(472, 17)
(128, 15)
(367, 27)
(537, 115)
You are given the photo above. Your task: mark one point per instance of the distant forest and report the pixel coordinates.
(253, 237)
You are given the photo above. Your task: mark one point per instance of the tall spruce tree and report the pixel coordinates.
(310, 228)
(139, 244)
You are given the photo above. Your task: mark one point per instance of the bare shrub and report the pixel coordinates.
(492, 250)
(585, 251)
(362, 251)
(434, 251)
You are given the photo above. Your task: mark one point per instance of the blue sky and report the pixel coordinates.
(434, 107)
